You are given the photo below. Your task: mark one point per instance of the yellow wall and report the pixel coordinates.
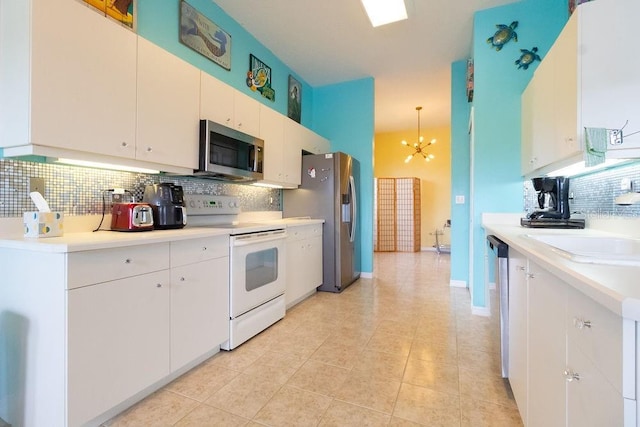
(435, 176)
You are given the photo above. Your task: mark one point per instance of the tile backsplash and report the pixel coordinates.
(594, 194)
(79, 190)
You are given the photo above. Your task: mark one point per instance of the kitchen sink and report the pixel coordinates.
(592, 249)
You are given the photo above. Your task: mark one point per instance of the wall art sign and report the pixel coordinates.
(294, 102)
(259, 78)
(202, 35)
(120, 10)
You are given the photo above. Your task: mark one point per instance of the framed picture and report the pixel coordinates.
(259, 78)
(294, 100)
(203, 36)
(120, 10)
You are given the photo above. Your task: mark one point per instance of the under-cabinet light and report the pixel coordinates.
(99, 165)
(383, 12)
(264, 184)
(580, 169)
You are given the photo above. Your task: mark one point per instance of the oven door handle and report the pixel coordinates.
(257, 238)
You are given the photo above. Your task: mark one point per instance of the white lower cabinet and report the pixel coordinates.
(199, 309)
(518, 309)
(96, 330)
(591, 398)
(572, 361)
(304, 262)
(118, 336)
(547, 336)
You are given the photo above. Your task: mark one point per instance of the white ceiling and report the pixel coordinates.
(332, 41)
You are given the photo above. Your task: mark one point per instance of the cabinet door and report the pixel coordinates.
(118, 342)
(566, 141)
(83, 87)
(314, 256)
(272, 132)
(518, 311)
(295, 136)
(199, 309)
(547, 348)
(216, 100)
(527, 129)
(591, 399)
(246, 114)
(168, 108)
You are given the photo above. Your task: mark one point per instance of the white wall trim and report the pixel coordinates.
(366, 275)
(458, 283)
(480, 311)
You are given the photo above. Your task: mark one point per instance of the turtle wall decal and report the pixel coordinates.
(503, 35)
(527, 57)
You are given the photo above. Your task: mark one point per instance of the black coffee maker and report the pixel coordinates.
(553, 204)
(167, 202)
(553, 198)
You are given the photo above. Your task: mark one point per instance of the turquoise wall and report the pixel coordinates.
(497, 180)
(344, 113)
(158, 21)
(460, 173)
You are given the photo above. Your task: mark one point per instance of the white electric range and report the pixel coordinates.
(256, 265)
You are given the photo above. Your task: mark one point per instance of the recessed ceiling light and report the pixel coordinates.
(383, 12)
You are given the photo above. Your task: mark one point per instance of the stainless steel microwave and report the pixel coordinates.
(229, 155)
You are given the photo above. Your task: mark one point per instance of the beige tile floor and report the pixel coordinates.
(402, 349)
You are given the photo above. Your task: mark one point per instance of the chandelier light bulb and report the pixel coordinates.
(408, 159)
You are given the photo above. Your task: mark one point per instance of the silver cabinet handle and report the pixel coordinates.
(531, 275)
(159, 285)
(127, 261)
(149, 149)
(182, 279)
(204, 248)
(124, 144)
(581, 323)
(571, 376)
(520, 268)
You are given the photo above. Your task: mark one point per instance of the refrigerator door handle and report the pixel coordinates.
(354, 208)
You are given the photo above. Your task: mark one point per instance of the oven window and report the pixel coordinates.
(261, 268)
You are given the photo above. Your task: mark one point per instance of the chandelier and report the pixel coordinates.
(418, 147)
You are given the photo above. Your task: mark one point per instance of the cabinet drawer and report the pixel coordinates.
(598, 333)
(303, 232)
(185, 252)
(91, 267)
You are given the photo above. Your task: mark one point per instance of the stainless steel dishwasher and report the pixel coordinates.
(501, 251)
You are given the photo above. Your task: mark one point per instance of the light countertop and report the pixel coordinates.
(105, 239)
(613, 286)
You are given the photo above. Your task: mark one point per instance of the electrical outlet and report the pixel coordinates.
(36, 184)
(117, 197)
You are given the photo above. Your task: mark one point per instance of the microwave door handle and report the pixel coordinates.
(354, 209)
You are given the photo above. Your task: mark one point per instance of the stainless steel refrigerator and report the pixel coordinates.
(329, 191)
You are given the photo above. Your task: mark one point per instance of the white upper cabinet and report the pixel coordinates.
(223, 104)
(587, 79)
(168, 107)
(608, 46)
(68, 78)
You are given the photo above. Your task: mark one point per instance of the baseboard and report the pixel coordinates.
(427, 249)
(458, 283)
(366, 275)
(480, 311)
